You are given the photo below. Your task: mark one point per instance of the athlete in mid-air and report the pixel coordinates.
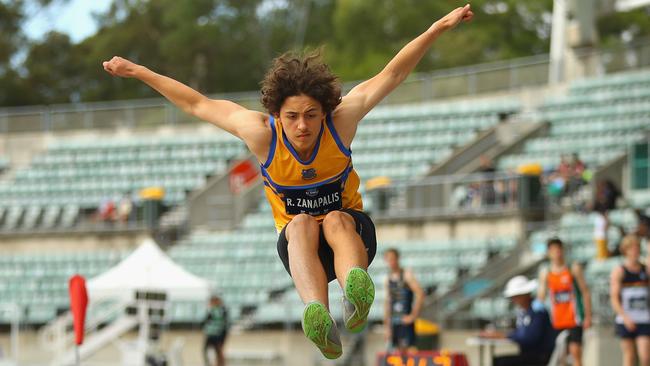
(303, 146)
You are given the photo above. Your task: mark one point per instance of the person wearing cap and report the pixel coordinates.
(569, 295)
(215, 327)
(533, 332)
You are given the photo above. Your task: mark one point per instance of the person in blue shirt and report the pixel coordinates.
(533, 332)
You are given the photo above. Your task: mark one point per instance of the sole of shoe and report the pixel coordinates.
(316, 324)
(360, 292)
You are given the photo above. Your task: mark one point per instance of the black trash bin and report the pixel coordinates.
(530, 192)
(152, 206)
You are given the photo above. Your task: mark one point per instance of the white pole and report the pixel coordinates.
(76, 355)
(558, 42)
(15, 323)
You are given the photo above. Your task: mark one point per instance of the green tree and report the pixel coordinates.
(369, 33)
(11, 16)
(227, 45)
(625, 27)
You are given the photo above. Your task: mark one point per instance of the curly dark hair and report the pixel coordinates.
(293, 74)
(554, 241)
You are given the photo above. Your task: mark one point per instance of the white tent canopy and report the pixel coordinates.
(148, 268)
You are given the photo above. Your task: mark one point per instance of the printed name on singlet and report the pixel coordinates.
(314, 203)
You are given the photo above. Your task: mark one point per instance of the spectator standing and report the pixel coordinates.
(629, 298)
(569, 297)
(403, 303)
(215, 327)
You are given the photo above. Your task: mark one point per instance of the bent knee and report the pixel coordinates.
(338, 221)
(302, 224)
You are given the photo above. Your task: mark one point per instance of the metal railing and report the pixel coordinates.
(453, 195)
(467, 80)
(84, 225)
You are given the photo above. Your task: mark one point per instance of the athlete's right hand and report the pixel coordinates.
(629, 324)
(118, 66)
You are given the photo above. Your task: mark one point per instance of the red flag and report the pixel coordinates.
(241, 175)
(78, 303)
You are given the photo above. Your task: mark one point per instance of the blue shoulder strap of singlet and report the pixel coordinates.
(274, 138)
(335, 135)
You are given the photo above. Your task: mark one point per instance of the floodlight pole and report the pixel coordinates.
(558, 42)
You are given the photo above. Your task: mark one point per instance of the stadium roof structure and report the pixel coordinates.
(148, 268)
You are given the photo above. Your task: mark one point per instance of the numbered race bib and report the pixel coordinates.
(562, 297)
(314, 201)
(638, 303)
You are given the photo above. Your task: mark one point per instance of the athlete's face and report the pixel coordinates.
(392, 261)
(555, 253)
(215, 301)
(302, 117)
(633, 252)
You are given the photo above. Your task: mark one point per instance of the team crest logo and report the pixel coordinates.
(308, 174)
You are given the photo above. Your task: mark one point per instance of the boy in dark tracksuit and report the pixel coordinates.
(215, 327)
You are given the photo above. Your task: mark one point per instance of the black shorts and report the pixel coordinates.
(402, 336)
(365, 229)
(214, 341)
(641, 330)
(575, 334)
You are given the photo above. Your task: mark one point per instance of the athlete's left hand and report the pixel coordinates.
(408, 319)
(457, 15)
(586, 324)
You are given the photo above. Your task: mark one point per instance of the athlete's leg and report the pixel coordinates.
(350, 264)
(221, 358)
(306, 269)
(643, 348)
(349, 251)
(575, 349)
(206, 350)
(629, 353)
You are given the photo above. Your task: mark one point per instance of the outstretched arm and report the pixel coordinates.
(362, 98)
(222, 113)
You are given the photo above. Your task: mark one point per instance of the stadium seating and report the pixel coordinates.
(71, 176)
(4, 164)
(38, 282)
(640, 198)
(400, 142)
(75, 175)
(598, 119)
